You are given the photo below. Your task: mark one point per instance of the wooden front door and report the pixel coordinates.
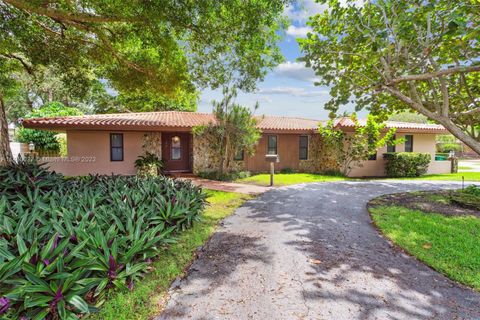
(176, 151)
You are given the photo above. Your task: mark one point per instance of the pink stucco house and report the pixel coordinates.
(110, 143)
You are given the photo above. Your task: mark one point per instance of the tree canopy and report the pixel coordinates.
(159, 48)
(48, 85)
(398, 55)
(46, 140)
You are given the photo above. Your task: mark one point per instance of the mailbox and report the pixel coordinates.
(272, 158)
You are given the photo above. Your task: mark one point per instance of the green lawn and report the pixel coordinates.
(281, 179)
(296, 178)
(469, 176)
(146, 298)
(450, 245)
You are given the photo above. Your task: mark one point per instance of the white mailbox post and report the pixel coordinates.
(272, 158)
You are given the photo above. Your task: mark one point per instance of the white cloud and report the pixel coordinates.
(298, 32)
(302, 9)
(293, 91)
(295, 70)
(264, 99)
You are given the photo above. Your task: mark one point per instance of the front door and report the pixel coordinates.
(176, 151)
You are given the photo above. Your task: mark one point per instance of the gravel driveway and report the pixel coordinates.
(310, 252)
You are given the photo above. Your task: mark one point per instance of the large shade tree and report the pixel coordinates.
(157, 47)
(47, 85)
(404, 54)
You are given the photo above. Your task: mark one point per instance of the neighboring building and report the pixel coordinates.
(110, 143)
(17, 148)
(468, 152)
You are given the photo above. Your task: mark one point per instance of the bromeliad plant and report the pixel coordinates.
(64, 242)
(149, 165)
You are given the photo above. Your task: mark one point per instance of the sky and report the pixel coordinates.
(289, 89)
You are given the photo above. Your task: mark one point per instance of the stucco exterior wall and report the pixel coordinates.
(204, 160)
(89, 152)
(422, 142)
(287, 150)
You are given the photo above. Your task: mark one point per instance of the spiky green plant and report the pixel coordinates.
(64, 242)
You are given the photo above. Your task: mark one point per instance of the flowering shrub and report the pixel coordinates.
(64, 242)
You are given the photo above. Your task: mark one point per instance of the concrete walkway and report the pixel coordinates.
(311, 252)
(473, 165)
(227, 186)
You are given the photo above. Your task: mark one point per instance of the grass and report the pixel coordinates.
(437, 198)
(469, 176)
(284, 179)
(146, 299)
(464, 168)
(447, 244)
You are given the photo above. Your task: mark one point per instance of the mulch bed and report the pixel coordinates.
(426, 201)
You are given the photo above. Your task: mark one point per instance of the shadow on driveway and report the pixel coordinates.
(310, 252)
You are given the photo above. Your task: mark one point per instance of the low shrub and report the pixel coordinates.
(64, 242)
(287, 171)
(225, 176)
(406, 164)
(149, 165)
(472, 190)
(468, 198)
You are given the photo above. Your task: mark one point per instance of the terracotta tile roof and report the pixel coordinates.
(178, 120)
(400, 126)
(159, 120)
(120, 120)
(286, 123)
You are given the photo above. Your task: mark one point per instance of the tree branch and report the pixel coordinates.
(64, 16)
(412, 103)
(468, 112)
(24, 63)
(436, 74)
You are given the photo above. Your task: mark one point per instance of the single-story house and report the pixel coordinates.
(110, 143)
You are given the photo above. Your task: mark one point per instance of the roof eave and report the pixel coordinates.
(90, 127)
(403, 130)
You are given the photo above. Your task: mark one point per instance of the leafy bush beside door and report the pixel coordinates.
(149, 165)
(66, 241)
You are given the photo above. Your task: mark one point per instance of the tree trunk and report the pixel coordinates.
(440, 118)
(459, 134)
(6, 157)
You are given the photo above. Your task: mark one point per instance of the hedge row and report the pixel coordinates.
(64, 242)
(406, 164)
